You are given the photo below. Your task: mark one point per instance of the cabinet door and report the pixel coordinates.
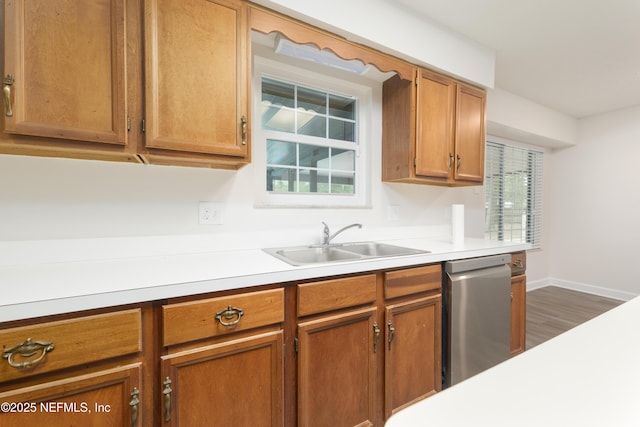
(196, 76)
(106, 398)
(518, 314)
(235, 383)
(413, 352)
(470, 134)
(435, 110)
(65, 69)
(336, 370)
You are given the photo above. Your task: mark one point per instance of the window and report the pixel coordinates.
(308, 146)
(513, 193)
(326, 166)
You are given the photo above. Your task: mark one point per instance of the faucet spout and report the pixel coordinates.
(327, 236)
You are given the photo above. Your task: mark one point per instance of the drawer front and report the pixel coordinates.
(329, 295)
(51, 346)
(518, 263)
(412, 280)
(190, 321)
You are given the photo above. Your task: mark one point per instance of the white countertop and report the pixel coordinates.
(41, 279)
(588, 376)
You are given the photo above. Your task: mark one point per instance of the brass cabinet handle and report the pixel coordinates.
(166, 394)
(459, 162)
(392, 333)
(243, 127)
(228, 314)
(8, 82)
(517, 263)
(450, 161)
(376, 336)
(135, 401)
(27, 349)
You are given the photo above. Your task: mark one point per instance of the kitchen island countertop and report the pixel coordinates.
(589, 377)
(36, 285)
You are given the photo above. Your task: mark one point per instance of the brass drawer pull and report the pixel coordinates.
(135, 401)
(392, 333)
(27, 349)
(6, 89)
(166, 394)
(228, 314)
(376, 336)
(243, 126)
(518, 263)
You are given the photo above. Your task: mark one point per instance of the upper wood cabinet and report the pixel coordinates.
(433, 131)
(197, 80)
(84, 79)
(64, 74)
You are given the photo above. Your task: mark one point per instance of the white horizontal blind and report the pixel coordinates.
(513, 194)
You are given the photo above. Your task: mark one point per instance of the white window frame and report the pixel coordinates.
(264, 67)
(529, 229)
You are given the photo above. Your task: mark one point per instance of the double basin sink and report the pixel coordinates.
(305, 255)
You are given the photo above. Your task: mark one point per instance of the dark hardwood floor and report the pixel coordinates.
(552, 311)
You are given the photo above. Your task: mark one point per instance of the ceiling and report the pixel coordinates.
(579, 57)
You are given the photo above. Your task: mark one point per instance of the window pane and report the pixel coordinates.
(343, 183)
(276, 118)
(344, 131)
(342, 107)
(314, 181)
(312, 125)
(314, 156)
(281, 180)
(281, 153)
(312, 100)
(278, 93)
(344, 160)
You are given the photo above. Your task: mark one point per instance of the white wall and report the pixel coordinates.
(593, 226)
(396, 31)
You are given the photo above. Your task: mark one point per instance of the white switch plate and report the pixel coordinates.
(210, 213)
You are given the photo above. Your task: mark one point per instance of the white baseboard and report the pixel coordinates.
(582, 287)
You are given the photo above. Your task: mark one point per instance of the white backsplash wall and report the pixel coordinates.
(50, 198)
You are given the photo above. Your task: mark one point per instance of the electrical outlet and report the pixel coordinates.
(210, 213)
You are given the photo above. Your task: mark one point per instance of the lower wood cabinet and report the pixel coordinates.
(518, 302)
(223, 363)
(336, 370)
(235, 383)
(105, 398)
(85, 370)
(412, 352)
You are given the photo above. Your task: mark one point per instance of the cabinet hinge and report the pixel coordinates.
(295, 344)
(128, 123)
(142, 126)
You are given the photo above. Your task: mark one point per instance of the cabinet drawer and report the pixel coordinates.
(518, 263)
(66, 343)
(328, 295)
(412, 280)
(189, 321)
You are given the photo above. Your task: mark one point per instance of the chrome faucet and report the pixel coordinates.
(327, 236)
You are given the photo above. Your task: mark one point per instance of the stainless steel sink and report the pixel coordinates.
(373, 249)
(304, 255)
(307, 255)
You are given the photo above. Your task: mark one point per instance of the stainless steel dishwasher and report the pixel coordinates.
(476, 316)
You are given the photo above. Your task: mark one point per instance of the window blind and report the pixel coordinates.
(513, 194)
